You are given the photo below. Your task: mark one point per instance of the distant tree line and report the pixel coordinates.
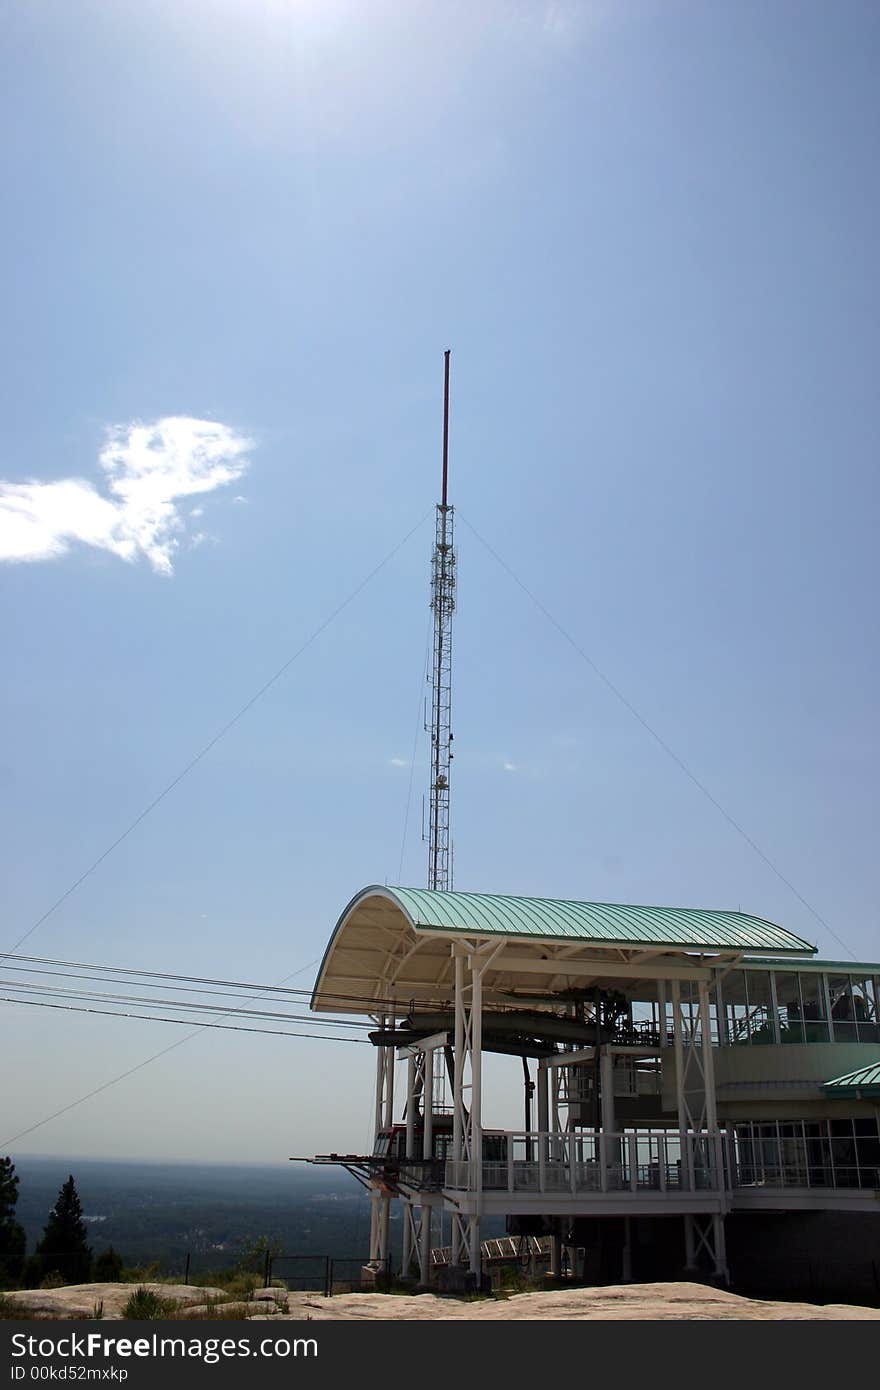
(62, 1254)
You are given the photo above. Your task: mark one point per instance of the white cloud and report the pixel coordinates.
(147, 468)
(399, 762)
(510, 767)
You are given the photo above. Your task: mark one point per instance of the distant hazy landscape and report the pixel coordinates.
(162, 1212)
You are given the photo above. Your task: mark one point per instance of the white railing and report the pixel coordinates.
(641, 1161)
(582, 1161)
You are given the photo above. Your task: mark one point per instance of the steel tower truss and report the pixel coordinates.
(443, 607)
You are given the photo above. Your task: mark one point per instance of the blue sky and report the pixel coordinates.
(648, 233)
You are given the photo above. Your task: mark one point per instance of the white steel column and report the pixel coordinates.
(543, 1095)
(425, 1244)
(428, 1105)
(458, 1120)
(412, 1072)
(685, 1165)
(378, 1109)
(411, 1097)
(427, 1154)
(476, 1125)
(389, 1083)
(378, 1113)
(606, 1081)
(380, 1202)
(718, 1253)
(471, 961)
(374, 1226)
(543, 1090)
(774, 1006)
(385, 1212)
(384, 1215)
(709, 1089)
(719, 1009)
(609, 1149)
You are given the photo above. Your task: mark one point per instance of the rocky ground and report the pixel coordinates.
(618, 1303)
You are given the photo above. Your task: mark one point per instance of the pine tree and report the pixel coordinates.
(107, 1268)
(12, 1237)
(63, 1245)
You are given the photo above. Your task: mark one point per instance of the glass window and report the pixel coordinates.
(736, 1007)
(759, 1011)
(813, 1005)
(864, 1008)
(842, 1011)
(791, 1017)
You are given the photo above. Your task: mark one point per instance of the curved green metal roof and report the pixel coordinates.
(688, 928)
(865, 1081)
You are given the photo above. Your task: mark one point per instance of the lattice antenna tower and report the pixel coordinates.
(440, 865)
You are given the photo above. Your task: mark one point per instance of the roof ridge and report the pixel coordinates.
(586, 902)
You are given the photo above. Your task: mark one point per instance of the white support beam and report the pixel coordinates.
(567, 1059)
(428, 1106)
(412, 1071)
(458, 1115)
(678, 1049)
(476, 1120)
(423, 1045)
(425, 1246)
(378, 1108)
(594, 969)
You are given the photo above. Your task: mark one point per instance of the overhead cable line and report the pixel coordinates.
(158, 1018)
(658, 739)
(380, 1003)
(103, 979)
(221, 733)
(162, 974)
(183, 1006)
(412, 761)
(139, 1066)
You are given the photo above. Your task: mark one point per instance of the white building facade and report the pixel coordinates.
(687, 1073)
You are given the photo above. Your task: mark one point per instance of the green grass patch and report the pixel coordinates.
(146, 1304)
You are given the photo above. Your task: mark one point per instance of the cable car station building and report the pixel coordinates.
(690, 1075)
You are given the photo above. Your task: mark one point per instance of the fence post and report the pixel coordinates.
(267, 1269)
(328, 1282)
(186, 1269)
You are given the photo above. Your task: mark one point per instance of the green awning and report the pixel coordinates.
(620, 924)
(394, 943)
(863, 1084)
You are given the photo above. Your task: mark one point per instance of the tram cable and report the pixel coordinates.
(658, 739)
(221, 733)
(139, 1066)
(183, 1006)
(159, 1018)
(377, 1004)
